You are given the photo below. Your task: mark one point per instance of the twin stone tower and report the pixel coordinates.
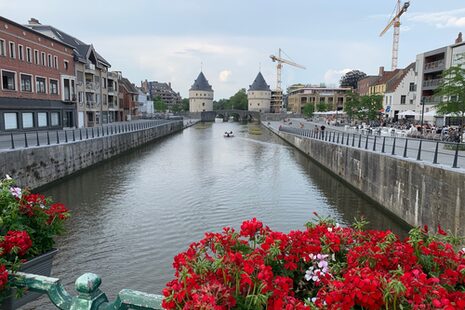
(201, 95)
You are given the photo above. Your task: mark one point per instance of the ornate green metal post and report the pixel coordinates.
(90, 297)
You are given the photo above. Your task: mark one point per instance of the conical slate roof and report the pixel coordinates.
(259, 83)
(201, 83)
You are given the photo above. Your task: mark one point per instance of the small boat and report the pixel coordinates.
(228, 134)
(218, 120)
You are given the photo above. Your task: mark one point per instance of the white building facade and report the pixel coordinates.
(400, 94)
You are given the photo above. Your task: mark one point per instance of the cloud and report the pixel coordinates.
(224, 75)
(445, 19)
(332, 76)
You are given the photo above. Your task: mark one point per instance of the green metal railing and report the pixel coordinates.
(89, 297)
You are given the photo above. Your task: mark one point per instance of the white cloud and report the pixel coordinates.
(224, 75)
(332, 76)
(445, 19)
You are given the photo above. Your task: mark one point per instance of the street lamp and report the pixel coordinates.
(422, 109)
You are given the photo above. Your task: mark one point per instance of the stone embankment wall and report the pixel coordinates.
(37, 166)
(418, 193)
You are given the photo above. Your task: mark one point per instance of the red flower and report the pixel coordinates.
(16, 241)
(3, 276)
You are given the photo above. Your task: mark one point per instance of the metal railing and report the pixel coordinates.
(435, 152)
(434, 64)
(29, 139)
(432, 83)
(89, 297)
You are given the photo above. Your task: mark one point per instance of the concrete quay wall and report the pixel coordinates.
(418, 193)
(36, 166)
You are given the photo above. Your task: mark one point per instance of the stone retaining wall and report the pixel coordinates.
(37, 166)
(418, 193)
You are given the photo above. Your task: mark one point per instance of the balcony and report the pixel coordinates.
(437, 65)
(92, 86)
(111, 89)
(431, 99)
(431, 84)
(90, 66)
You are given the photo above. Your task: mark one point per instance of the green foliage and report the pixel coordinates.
(220, 104)
(159, 104)
(322, 107)
(363, 107)
(452, 90)
(309, 109)
(238, 101)
(185, 104)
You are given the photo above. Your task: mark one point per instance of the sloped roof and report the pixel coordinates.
(201, 83)
(128, 85)
(259, 83)
(81, 49)
(395, 80)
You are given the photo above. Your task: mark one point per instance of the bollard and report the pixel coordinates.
(12, 141)
(435, 159)
(405, 148)
(37, 138)
(454, 165)
(384, 144)
(25, 140)
(419, 151)
(394, 147)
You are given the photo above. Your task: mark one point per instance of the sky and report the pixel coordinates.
(231, 41)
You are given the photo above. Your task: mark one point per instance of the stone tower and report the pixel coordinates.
(259, 95)
(201, 95)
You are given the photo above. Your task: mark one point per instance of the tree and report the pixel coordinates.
(238, 101)
(352, 105)
(363, 107)
(351, 78)
(159, 104)
(220, 104)
(452, 91)
(185, 104)
(309, 109)
(322, 107)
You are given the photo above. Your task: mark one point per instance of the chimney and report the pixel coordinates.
(459, 38)
(34, 21)
(169, 84)
(381, 71)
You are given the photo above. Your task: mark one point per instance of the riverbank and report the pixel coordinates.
(415, 192)
(37, 166)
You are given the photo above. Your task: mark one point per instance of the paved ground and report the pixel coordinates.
(400, 146)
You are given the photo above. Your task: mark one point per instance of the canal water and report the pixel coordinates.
(133, 214)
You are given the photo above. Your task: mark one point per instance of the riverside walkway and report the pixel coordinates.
(446, 155)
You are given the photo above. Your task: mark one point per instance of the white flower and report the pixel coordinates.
(7, 177)
(330, 229)
(16, 192)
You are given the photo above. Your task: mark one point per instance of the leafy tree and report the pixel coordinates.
(309, 109)
(220, 104)
(351, 78)
(159, 104)
(363, 107)
(452, 91)
(238, 101)
(353, 105)
(185, 104)
(322, 107)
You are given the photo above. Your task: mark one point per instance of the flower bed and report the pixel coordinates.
(28, 224)
(322, 267)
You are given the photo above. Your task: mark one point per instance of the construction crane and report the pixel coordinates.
(279, 66)
(395, 22)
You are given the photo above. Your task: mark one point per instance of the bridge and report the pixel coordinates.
(240, 115)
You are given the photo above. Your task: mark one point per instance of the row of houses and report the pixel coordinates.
(413, 88)
(52, 80)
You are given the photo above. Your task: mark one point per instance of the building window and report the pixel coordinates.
(49, 60)
(203, 104)
(26, 83)
(8, 80)
(42, 119)
(12, 50)
(54, 119)
(11, 120)
(43, 58)
(402, 99)
(55, 62)
(2, 48)
(411, 101)
(36, 57)
(66, 65)
(28, 120)
(40, 85)
(104, 82)
(53, 87)
(28, 54)
(81, 96)
(20, 52)
(411, 87)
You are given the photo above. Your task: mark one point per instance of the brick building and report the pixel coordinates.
(163, 90)
(128, 98)
(38, 82)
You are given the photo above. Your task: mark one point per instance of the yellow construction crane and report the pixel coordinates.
(395, 22)
(279, 66)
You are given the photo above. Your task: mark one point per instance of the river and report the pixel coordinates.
(131, 215)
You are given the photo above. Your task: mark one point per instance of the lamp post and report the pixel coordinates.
(422, 110)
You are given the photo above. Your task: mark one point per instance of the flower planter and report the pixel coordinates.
(41, 265)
